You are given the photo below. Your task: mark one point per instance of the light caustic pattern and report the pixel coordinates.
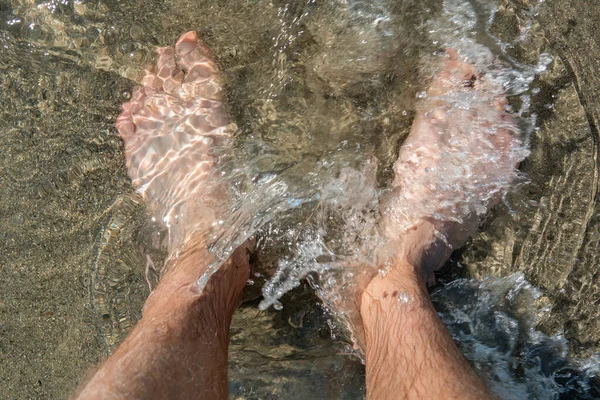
(174, 128)
(459, 159)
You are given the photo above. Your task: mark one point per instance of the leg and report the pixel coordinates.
(459, 158)
(173, 128)
(179, 347)
(409, 352)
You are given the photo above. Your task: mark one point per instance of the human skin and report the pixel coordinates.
(409, 352)
(179, 347)
(459, 158)
(174, 128)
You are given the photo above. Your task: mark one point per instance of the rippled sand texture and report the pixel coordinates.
(554, 235)
(320, 93)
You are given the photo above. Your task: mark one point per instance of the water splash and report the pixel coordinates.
(494, 323)
(465, 27)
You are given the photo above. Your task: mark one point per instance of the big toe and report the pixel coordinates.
(186, 43)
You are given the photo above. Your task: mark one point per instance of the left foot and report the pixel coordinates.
(174, 127)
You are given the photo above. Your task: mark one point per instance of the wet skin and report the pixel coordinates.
(179, 348)
(170, 128)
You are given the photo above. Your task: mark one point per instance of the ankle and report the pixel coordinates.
(182, 311)
(401, 276)
(401, 284)
(179, 291)
(421, 249)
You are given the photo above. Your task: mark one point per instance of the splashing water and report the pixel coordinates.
(493, 321)
(340, 202)
(322, 92)
(460, 25)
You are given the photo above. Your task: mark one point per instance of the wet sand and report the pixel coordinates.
(71, 265)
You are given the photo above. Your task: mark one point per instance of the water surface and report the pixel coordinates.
(322, 94)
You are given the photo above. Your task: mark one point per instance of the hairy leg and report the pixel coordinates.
(179, 347)
(459, 158)
(174, 129)
(410, 354)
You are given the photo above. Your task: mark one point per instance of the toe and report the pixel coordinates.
(165, 65)
(166, 76)
(168, 71)
(200, 71)
(125, 125)
(193, 58)
(186, 43)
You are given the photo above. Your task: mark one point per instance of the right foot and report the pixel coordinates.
(457, 162)
(459, 159)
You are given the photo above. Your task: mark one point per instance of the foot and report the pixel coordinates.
(458, 161)
(174, 128)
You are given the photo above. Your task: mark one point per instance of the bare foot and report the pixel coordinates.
(459, 158)
(457, 162)
(174, 127)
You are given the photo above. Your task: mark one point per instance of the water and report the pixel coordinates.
(457, 27)
(322, 94)
(494, 321)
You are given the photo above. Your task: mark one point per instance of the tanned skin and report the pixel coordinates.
(179, 348)
(409, 352)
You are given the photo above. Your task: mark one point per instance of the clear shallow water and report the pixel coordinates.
(321, 94)
(494, 321)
